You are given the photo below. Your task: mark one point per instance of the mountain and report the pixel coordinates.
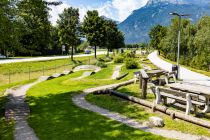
(117, 22)
(139, 23)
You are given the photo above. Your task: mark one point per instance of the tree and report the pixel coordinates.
(34, 18)
(194, 45)
(201, 59)
(93, 29)
(156, 34)
(68, 28)
(113, 38)
(55, 46)
(8, 27)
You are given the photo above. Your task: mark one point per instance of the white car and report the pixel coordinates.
(2, 56)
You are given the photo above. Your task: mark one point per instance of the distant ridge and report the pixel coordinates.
(139, 23)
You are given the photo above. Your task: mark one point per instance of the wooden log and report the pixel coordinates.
(163, 109)
(191, 119)
(122, 76)
(131, 98)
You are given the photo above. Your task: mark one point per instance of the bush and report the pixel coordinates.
(118, 59)
(101, 64)
(101, 59)
(130, 55)
(105, 59)
(131, 63)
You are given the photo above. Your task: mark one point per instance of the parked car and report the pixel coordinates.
(87, 51)
(2, 56)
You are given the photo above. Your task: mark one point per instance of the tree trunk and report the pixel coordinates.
(72, 53)
(108, 52)
(95, 52)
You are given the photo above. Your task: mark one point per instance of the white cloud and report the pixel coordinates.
(116, 9)
(125, 7)
(56, 10)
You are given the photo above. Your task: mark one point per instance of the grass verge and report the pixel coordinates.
(17, 72)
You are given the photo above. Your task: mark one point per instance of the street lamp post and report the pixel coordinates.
(179, 35)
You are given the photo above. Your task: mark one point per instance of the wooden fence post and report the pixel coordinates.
(43, 70)
(143, 83)
(140, 80)
(29, 73)
(144, 87)
(9, 77)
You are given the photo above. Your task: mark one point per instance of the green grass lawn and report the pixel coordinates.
(54, 116)
(140, 113)
(20, 71)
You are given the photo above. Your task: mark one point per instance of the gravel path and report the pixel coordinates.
(185, 74)
(18, 110)
(80, 101)
(116, 72)
(87, 67)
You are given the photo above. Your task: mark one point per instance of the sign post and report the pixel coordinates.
(63, 49)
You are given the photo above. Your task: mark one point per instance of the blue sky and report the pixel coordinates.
(116, 9)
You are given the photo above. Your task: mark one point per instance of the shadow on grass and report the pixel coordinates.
(55, 117)
(119, 105)
(6, 127)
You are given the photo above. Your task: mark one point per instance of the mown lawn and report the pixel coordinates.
(140, 113)
(20, 71)
(55, 117)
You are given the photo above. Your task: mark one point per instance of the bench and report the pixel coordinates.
(191, 100)
(170, 75)
(163, 77)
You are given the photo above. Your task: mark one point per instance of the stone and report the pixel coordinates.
(56, 75)
(156, 121)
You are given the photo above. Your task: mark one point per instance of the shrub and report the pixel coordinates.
(105, 59)
(101, 59)
(129, 54)
(131, 63)
(118, 59)
(101, 64)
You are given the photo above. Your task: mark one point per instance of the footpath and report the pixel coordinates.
(185, 74)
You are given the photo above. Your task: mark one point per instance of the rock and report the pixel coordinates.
(156, 121)
(66, 72)
(56, 75)
(87, 67)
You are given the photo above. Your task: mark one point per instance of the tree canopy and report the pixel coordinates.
(68, 28)
(113, 38)
(93, 29)
(194, 45)
(25, 29)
